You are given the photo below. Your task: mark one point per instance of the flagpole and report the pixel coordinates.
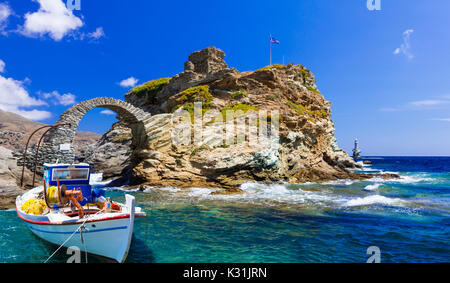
(270, 61)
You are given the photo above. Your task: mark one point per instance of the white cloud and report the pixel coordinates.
(52, 18)
(14, 98)
(61, 99)
(421, 104)
(130, 82)
(442, 119)
(405, 47)
(35, 115)
(108, 112)
(2, 66)
(5, 12)
(98, 33)
(424, 103)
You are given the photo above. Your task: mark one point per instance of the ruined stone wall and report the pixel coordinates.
(50, 151)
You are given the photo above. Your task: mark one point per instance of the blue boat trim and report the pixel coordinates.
(78, 232)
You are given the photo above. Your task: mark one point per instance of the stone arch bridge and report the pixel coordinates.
(58, 143)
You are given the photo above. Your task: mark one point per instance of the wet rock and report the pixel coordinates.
(386, 176)
(231, 191)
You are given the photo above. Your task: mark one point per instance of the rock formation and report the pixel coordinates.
(306, 149)
(10, 175)
(111, 154)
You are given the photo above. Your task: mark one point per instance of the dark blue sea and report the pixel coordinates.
(407, 219)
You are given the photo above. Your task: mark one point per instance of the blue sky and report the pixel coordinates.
(386, 72)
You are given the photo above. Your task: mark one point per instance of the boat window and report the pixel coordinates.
(71, 174)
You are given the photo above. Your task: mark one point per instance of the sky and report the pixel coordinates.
(385, 71)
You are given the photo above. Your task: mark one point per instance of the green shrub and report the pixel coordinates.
(318, 114)
(235, 107)
(195, 94)
(274, 66)
(299, 108)
(304, 74)
(313, 115)
(200, 149)
(150, 89)
(313, 90)
(238, 94)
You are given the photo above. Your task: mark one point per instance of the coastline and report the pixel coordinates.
(285, 222)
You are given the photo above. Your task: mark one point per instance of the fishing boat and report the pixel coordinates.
(68, 212)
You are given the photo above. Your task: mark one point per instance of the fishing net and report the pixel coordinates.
(34, 206)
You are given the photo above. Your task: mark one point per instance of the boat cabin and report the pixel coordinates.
(74, 176)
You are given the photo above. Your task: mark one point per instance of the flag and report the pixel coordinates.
(273, 40)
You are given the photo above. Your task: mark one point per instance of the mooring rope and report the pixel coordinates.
(84, 242)
(70, 237)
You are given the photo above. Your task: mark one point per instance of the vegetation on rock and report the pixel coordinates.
(238, 94)
(273, 66)
(149, 89)
(299, 108)
(313, 90)
(195, 94)
(238, 107)
(302, 110)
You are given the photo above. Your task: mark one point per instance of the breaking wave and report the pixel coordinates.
(273, 194)
(374, 199)
(403, 179)
(372, 187)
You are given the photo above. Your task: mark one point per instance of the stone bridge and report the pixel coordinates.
(58, 143)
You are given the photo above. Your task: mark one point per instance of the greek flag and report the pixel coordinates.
(273, 40)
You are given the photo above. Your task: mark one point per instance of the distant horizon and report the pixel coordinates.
(368, 156)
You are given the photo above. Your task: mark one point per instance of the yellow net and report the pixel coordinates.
(34, 206)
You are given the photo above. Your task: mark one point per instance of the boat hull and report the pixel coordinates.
(109, 238)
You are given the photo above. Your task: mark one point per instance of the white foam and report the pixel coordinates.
(9, 209)
(372, 187)
(97, 179)
(403, 179)
(254, 193)
(368, 169)
(342, 182)
(199, 192)
(123, 189)
(374, 199)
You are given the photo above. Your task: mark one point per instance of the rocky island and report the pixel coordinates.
(306, 150)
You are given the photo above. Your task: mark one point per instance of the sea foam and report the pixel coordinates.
(372, 187)
(374, 199)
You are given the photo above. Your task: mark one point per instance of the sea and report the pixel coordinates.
(396, 220)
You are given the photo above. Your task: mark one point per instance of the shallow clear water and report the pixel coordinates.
(408, 219)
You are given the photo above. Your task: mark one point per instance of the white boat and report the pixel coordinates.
(90, 224)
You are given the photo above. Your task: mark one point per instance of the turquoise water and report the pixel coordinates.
(408, 219)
